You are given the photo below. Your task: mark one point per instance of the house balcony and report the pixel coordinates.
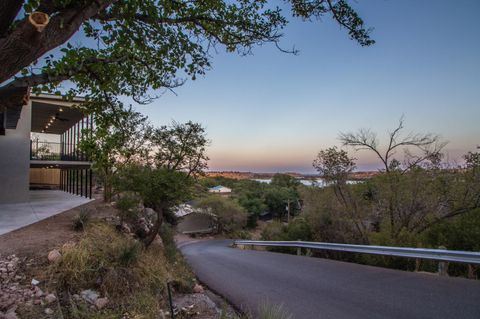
(56, 155)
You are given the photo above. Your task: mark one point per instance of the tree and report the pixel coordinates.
(116, 140)
(230, 216)
(334, 166)
(277, 200)
(284, 180)
(133, 46)
(429, 146)
(169, 177)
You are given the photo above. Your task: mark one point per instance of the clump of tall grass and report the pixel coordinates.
(117, 266)
(81, 221)
(269, 311)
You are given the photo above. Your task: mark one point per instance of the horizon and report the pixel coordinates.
(273, 112)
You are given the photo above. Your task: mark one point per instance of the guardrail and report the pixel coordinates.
(441, 255)
(199, 231)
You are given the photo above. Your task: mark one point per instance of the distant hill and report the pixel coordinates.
(250, 175)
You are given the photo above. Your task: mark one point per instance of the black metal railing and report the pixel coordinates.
(50, 151)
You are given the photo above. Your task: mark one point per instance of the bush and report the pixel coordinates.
(81, 220)
(230, 216)
(127, 206)
(268, 311)
(117, 266)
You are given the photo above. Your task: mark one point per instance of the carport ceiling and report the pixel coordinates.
(61, 118)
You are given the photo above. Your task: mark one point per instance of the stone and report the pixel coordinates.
(48, 311)
(54, 256)
(100, 303)
(38, 292)
(10, 315)
(89, 295)
(35, 282)
(198, 289)
(50, 298)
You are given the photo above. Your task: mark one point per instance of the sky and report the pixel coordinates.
(273, 112)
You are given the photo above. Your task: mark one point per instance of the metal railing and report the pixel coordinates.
(444, 255)
(50, 151)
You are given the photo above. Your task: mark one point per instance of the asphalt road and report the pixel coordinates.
(319, 288)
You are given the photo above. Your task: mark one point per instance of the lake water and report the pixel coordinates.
(319, 182)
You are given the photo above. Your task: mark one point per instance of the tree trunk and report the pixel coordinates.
(156, 227)
(24, 44)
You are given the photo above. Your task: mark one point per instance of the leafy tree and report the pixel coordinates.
(278, 198)
(284, 180)
(116, 140)
(230, 216)
(334, 166)
(133, 46)
(170, 178)
(254, 205)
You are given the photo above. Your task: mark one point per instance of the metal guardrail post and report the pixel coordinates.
(442, 265)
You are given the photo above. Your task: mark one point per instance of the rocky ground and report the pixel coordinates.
(26, 253)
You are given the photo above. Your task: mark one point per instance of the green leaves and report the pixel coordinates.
(134, 47)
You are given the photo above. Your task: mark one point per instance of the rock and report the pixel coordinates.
(48, 311)
(101, 302)
(10, 315)
(38, 292)
(35, 282)
(89, 296)
(198, 289)
(50, 298)
(54, 256)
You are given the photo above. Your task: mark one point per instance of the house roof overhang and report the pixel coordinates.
(53, 115)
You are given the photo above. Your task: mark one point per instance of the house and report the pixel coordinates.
(221, 190)
(53, 161)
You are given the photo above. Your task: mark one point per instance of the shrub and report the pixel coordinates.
(268, 311)
(127, 206)
(229, 214)
(81, 220)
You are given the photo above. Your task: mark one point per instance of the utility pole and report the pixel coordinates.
(288, 211)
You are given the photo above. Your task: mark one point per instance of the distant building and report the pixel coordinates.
(221, 190)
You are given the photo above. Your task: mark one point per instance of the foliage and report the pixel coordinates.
(297, 229)
(133, 47)
(117, 139)
(284, 180)
(81, 221)
(127, 205)
(117, 266)
(230, 216)
(269, 311)
(181, 147)
(334, 165)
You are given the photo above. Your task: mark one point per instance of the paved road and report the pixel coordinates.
(313, 288)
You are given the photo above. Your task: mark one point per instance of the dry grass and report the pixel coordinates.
(117, 266)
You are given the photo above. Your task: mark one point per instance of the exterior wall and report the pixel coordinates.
(15, 160)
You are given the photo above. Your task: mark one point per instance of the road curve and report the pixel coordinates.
(313, 288)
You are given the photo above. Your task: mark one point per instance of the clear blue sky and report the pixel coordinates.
(273, 112)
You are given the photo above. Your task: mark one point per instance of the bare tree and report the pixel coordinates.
(428, 146)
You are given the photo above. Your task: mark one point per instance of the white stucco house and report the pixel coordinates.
(53, 161)
(219, 189)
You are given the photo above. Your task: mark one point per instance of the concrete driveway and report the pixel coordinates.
(42, 204)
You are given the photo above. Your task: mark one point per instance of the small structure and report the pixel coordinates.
(183, 210)
(221, 190)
